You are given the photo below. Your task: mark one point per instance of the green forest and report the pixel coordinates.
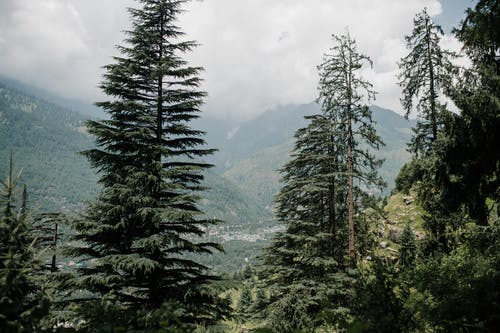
(334, 216)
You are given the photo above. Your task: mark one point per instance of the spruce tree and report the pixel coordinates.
(425, 73)
(22, 302)
(134, 239)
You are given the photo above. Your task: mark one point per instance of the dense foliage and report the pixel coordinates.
(325, 184)
(23, 302)
(134, 239)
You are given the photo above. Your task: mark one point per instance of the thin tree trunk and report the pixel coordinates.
(53, 267)
(352, 252)
(159, 111)
(331, 195)
(154, 294)
(431, 86)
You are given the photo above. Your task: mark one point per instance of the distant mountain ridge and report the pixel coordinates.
(87, 109)
(251, 153)
(46, 139)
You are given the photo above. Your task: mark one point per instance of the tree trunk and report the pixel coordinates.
(432, 88)
(53, 266)
(352, 252)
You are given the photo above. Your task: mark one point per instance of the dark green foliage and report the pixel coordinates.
(104, 316)
(471, 153)
(260, 303)
(134, 239)
(464, 171)
(408, 250)
(380, 299)
(458, 292)
(425, 73)
(410, 174)
(290, 313)
(245, 301)
(454, 282)
(310, 255)
(23, 303)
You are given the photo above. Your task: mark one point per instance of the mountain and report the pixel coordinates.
(45, 135)
(237, 141)
(251, 153)
(45, 139)
(87, 109)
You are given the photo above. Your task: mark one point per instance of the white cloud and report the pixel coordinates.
(257, 53)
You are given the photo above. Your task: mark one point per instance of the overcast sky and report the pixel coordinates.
(256, 53)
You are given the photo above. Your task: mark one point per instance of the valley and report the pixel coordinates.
(46, 138)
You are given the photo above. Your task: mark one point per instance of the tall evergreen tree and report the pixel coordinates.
(471, 154)
(325, 185)
(425, 72)
(135, 237)
(457, 283)
(307, 261)
(343, 93)
(22, 302)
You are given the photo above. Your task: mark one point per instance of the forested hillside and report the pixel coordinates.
(45, 140)
(270, 139)
(144, 215)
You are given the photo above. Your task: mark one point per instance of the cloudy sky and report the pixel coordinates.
(257, 54)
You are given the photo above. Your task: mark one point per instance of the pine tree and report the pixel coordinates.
(343, 94)
(135, 237)
(471, 157)
(308, 259)
(455, 285)
(325, 185)
(408, 251)
(245, 301)
(260, 303)
(22, 303)
(425, 73)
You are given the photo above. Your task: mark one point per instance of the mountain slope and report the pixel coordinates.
(45, 139)
(258, 173)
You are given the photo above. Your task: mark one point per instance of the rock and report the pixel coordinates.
(395, 234)
(383, 244)
(408, 200)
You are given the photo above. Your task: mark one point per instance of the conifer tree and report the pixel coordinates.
(425, 73)
(343, 93)
(135, 237)
(22, 303)
(307, 261)
(245, 301)
(471, 155)
(408, 251)
(325, 185)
